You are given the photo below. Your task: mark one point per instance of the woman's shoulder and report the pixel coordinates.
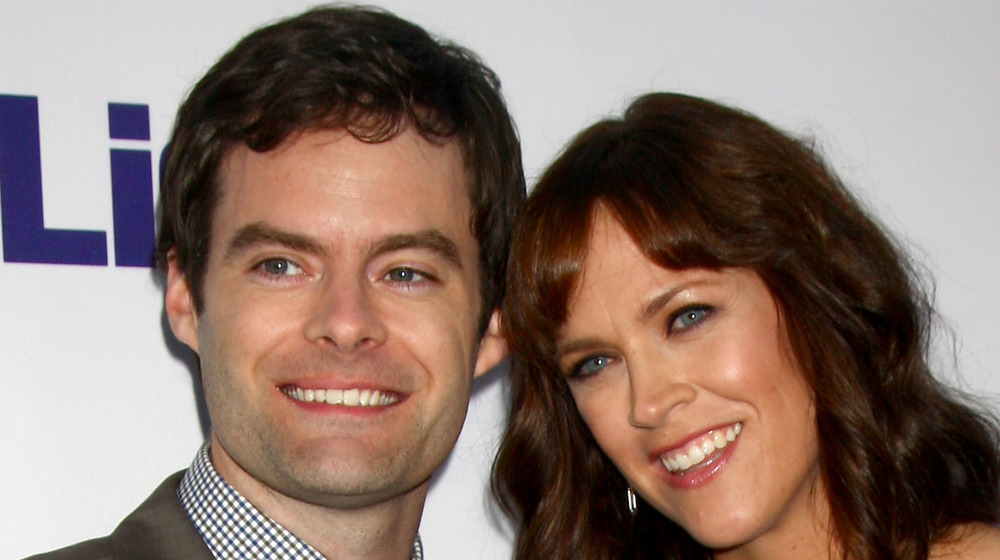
(975, 541)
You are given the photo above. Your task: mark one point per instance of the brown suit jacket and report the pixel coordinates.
(158, 530)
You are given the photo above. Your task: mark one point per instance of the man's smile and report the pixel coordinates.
(341, 397)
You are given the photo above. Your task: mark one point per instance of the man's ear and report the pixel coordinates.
(179, 305)
(493, 346)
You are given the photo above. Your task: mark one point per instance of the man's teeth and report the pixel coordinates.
(696, 452)
(348, 397)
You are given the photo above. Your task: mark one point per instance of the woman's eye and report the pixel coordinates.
(589, 366)
(280, 267)
(688, 317)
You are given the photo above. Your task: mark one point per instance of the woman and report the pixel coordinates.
(704, 315)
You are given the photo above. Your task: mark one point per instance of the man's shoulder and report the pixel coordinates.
(159, 529)
(96, 549)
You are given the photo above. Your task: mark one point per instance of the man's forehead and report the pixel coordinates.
(402, 187)
(234, 158)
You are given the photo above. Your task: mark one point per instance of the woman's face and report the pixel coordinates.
(688, 384)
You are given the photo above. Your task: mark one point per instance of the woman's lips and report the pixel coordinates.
(701, 451)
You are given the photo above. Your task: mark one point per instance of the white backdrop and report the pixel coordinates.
(98, 405)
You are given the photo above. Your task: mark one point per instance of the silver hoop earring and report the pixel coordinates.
(633, 504)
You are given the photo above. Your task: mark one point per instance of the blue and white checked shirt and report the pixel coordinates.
(232, 528)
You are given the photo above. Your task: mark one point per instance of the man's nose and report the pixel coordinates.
(345, 317)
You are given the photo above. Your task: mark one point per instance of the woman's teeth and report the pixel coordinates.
(699, 450)
(338, 397)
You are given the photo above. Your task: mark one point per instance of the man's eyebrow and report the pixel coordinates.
(431, 240)
(257, 234)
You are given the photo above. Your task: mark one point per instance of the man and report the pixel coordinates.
(335, 208)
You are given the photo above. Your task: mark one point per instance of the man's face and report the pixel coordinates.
(338, 335)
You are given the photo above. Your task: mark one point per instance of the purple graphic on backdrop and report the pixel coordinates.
(25, 237)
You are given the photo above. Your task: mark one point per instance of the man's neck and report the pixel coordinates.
(382, 531)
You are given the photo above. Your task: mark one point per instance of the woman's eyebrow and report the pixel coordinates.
(654, 305)
(574, 346)
(658, 302)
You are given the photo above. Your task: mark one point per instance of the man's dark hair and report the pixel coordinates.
(358, 69)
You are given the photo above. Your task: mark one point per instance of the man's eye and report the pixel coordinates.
(405, 275)
(280, 267)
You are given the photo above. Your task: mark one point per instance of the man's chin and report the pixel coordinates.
(342, 479)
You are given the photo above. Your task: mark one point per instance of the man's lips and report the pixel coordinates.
(356, 397)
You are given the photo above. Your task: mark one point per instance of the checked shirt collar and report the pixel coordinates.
(232, 528)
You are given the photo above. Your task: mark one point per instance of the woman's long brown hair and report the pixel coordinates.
(903, 458)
